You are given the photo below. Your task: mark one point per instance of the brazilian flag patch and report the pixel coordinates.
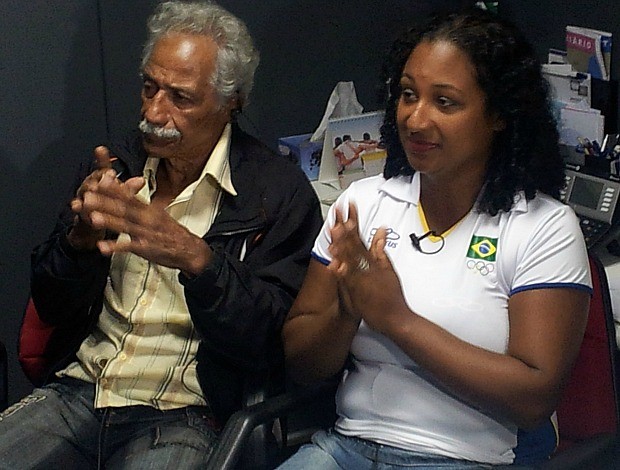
(482, 248)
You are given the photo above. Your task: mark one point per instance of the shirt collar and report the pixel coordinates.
(217, 167)
(407, 189)
(403, 188)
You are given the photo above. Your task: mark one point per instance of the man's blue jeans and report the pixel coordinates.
(330, 450)
(57, 427)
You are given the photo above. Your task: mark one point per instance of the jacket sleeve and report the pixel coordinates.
(65, 282)
(239, 306)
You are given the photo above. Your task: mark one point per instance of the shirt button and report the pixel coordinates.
(122, 356)
(143, 302)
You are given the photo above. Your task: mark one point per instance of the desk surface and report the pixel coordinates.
(327, 192)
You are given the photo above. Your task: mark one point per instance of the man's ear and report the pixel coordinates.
(235, 104)
(234, 107)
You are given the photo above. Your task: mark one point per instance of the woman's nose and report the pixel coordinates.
(419, 116)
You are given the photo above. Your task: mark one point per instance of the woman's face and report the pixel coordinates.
(441, 114)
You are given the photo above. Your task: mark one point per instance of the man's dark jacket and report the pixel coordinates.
(237, 305)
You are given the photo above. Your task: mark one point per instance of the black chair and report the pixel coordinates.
(587, 414)
(4, 386)
(293, 417)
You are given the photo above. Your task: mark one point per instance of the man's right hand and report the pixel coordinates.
(82, 235)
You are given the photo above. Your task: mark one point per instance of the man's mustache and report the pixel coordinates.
(159, 131)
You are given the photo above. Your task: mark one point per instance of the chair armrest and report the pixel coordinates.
(241, 424)
(582, 454)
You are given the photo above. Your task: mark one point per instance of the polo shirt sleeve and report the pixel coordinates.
(553, 255)
(320, 251)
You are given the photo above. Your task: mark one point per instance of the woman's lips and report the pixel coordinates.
(420, 146)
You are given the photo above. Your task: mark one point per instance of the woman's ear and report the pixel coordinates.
(498, 124)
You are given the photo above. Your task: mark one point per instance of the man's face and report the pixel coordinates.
(177, 96)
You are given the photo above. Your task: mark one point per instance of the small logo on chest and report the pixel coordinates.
(391, 237)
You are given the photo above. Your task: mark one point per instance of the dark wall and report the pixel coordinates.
(69, 75)
(51, 97)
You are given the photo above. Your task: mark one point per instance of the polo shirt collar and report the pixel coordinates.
(407, 189)
(403, 188)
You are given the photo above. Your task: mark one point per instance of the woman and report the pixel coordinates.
(455, 287)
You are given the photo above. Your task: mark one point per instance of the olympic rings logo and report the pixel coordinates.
(480, 266)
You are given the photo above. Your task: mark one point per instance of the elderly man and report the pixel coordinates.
(173, 313)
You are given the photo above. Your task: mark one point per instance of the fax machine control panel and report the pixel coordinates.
(594, 200)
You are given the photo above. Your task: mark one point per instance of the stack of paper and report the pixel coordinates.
(576, 124)
(569, 86)
(572, 94)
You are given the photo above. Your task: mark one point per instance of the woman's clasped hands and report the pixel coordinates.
(367, 283)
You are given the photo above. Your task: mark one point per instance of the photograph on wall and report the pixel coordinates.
(352, 148)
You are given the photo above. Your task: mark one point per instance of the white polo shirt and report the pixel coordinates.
(464, 288)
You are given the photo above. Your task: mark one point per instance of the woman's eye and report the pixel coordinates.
(445, 102)
(408, 94)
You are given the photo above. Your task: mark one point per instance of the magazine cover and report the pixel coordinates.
(589, 51)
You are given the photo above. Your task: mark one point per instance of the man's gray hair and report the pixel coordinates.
(237, 57)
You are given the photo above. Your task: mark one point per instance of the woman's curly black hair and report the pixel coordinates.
(525, 155)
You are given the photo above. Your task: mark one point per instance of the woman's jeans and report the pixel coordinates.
(331, 450)
(57, 427)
